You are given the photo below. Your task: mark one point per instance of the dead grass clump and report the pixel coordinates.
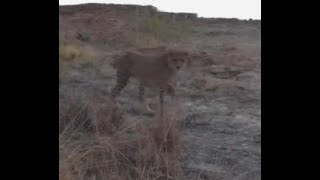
(158, 150)
(73, 118)
(68, 51)
(106, 118)
(166, 135)
(117, 148)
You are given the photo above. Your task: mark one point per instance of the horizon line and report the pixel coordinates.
(206, 17)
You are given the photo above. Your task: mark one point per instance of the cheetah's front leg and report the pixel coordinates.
(143, 100)
(122, 80)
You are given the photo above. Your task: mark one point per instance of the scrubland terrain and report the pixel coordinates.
(213, 128)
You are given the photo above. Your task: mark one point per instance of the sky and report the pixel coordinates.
(241, 9)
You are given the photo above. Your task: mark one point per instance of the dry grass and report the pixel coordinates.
(69, 51)
(74, 56)
(153, 30)
(98, 143)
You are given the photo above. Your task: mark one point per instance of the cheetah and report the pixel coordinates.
(155, 70)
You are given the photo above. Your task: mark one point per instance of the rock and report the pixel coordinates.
(83, 36)
(224, 72)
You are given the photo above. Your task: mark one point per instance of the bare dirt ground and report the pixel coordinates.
(218, 97)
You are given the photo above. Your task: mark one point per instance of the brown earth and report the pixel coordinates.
(218, 96)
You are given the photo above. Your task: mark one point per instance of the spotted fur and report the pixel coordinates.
(151, 70)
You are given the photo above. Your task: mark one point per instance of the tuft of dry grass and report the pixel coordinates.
(73, 57)
(68, 51)
(97, 142)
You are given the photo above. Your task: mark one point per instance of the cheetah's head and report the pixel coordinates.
(177, 60)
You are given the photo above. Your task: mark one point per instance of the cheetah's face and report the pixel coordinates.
(177, 60)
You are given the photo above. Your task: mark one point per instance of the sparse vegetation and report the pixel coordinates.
(107, 146)
(219, 33)
(217, 98)
(69, 52)
(212, 88)
(152, 29)
(73, 56)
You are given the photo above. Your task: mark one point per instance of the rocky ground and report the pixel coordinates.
(218, 96)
